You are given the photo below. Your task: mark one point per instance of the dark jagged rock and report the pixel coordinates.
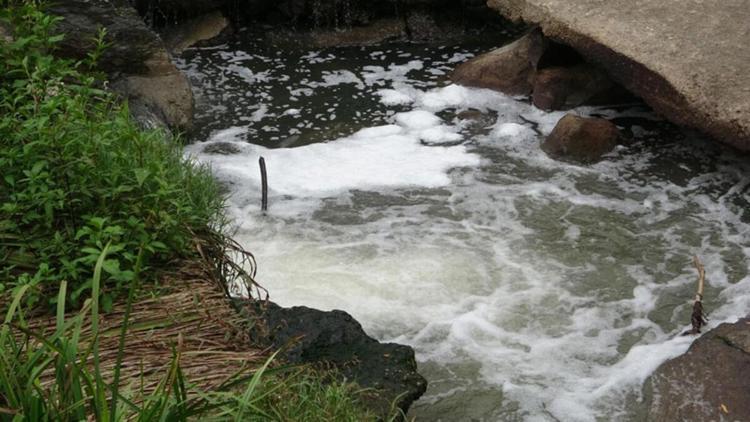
(131, 42)
(335, 338)
(510, 69)
(136, 60)
(221, 148)
(581, 139)
(711, 382)
(160, 12)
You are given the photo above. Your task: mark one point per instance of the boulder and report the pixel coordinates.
(138, 65)
(689, 60)
(315, 13)
(510, 69)
(336, 339)
(160, 12)
(193, 31)
(581, 139)
(376, 32)
(711, 382)
(558, 88)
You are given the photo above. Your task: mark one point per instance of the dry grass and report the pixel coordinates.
(191, 314)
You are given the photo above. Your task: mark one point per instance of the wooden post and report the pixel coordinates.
(264, 185)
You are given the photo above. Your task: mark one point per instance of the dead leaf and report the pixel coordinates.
(724, 408)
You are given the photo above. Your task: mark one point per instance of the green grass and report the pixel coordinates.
(79, 173)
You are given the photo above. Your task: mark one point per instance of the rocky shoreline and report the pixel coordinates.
(690, 62)
(140, 69)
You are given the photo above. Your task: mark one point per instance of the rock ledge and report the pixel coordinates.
(689, 60)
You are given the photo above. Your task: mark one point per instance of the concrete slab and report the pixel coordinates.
(689, 59)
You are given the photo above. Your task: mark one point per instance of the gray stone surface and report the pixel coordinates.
(711, 382)
(186, 34)
(689, 59)
(136, 61)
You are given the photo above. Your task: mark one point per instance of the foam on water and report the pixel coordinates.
(531, 289)
(378, 157)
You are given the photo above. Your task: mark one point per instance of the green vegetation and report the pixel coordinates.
(89, 205)
(79, 173)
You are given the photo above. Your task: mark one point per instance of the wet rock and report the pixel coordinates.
(163, 90)
(378, 31)
(335, 338)
(136, 60)
(316, 13)
(509, 69)
(558, 88)
(222, 148)
(131, 42)
(191, 32)
(690, 61)
(159, 12)
(581, 139)
(711, 382)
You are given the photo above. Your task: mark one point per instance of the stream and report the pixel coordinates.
(530, 289)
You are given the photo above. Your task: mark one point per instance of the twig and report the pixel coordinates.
(264, 185)
(698, 318)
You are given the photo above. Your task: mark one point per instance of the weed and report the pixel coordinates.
(78, 173)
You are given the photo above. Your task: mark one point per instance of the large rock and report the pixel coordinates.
(170, 11)
(711, 382)
(335, 338)
(316, 13)
(582, 139)
(557, 88)
(193, 31)
(689, 60)
(136, 60)
(509, 69)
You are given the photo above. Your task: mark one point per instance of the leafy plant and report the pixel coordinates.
(78, 173)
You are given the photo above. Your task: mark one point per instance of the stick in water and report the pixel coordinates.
(264, 185)
(698, 318)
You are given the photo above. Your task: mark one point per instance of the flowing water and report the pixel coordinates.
(531, 289)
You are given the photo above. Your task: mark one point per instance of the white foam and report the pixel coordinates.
(370, 159)
(392, 97)
(513, 131)
(418, 119)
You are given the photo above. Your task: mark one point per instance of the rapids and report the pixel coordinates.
(531, 289)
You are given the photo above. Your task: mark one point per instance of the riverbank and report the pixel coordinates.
(116, 278)
(529, 287)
